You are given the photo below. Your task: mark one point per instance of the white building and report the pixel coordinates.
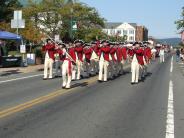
(121, 29)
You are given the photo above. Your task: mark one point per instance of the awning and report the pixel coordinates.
(8, 35)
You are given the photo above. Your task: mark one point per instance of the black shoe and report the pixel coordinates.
(132, 83)
(63, 87)
(142, 79)
(44, 78)
(100, 81)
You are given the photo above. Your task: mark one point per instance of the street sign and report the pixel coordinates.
(74, 25)
(17, 23)
(57, 38)
(22, 49)
(17, 15)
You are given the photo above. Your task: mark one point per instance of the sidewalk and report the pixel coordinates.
(18, 70)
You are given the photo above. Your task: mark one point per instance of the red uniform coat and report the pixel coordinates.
(51, 50)
(96, 48)
(105, 52)
(130, 52)
(71, 52)
(148, 52)
(112, 53)
(119, 54)
(139, 54)
(124, 52)
(88, 52)
(60, 52)
(79, 52)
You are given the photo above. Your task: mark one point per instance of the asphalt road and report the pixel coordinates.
(115, 109)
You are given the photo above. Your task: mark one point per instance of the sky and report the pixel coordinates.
(157, 15)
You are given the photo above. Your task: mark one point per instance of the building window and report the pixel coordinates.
(131, 31)
(124, 32)
(131, 38)
(111, 31)
(119, 32)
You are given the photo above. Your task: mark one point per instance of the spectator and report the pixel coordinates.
(177, 55)
(161, 54)
(153, 52)
(182, 54)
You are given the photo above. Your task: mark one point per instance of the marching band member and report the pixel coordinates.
(122, 56)
(87, 56)
(115, 60)
(79, 57)
(104, 60)
(58, 60)
(112, 61)
(94, 57)
(147, 56)
(130, 52)
(49, 49)
(69, 61)
(136, 62)
(142, 62)
(71, 51)
(119, 59)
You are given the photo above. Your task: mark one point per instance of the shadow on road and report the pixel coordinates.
(10, 72)
(82, 84)
(149, 74)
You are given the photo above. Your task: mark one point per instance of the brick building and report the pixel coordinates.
(141, 33)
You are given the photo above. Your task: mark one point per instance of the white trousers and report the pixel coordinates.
(80, 70)
(65, 74)
(162, 59)
(48, 65)
(103, 69)
(135, 72)
(74, 72)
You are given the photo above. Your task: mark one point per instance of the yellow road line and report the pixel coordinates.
(26, 105)
(20, 107)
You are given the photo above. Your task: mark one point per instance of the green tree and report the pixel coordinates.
(55, 17)
(6, 9)
(180, 23)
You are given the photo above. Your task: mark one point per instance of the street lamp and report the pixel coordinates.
(71, 24)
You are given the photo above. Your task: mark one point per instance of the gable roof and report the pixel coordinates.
(112, 25)
(133, 24)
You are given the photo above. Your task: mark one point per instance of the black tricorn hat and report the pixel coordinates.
(48, 40)
(135, 43)
(62, 44)
(104, 41)
(87, 44)
(78, 41)
(93, 42)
